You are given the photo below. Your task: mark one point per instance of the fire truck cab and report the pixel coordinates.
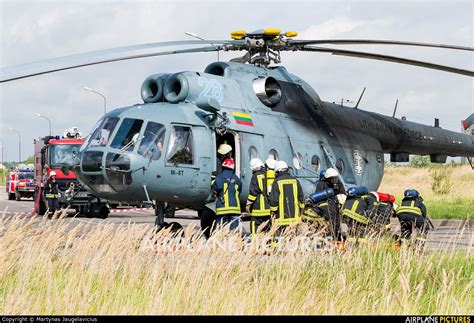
(55, 153)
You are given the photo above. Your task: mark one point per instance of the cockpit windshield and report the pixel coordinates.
(100, 136)
(151, 145)
(127, 135)
(62, 155)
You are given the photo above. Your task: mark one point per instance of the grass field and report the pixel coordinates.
(458, 203)
(45, 269)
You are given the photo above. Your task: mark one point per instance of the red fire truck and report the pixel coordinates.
(20, 183)
(55, 153)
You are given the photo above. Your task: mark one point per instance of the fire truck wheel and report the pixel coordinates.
(17, 196)
(11, 196)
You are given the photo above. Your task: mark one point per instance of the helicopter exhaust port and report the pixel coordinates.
(152, 88)
(268, 91)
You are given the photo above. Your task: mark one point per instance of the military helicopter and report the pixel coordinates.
(164, 150)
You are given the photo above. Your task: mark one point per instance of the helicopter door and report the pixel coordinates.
(251, 146)
(188, 160)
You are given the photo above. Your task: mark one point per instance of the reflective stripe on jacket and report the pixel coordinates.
(228, 188)
(354, 208)
(258, 196)
(270, 177)
(409, 206)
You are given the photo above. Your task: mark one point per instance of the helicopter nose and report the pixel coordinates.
(107, 174)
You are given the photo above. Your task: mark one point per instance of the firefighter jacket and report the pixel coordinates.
(258, 196)
(338, 189)
(228, 188)
(286, 199)
(412, 206)
(354, 208)
(51, 189)
(270, 175)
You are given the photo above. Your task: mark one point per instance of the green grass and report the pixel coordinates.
(448, 208)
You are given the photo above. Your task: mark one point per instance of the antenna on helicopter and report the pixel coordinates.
(360, 98)
(200, 38)
(395, 109)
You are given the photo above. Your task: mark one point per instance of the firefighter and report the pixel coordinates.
(223, 152)
(270, 172)
(380, 209)
(257, 202)
(412, 213)
(286, 198)
(228, 187)
(330, 208)
(354, 214)
(51, 192)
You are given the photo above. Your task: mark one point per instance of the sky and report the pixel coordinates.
(36, 30)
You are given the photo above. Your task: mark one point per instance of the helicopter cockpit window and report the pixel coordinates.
(127, 135)
(180, 147)
(100, 136)
(151, 145)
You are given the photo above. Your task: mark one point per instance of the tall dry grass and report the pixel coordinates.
(48, 268)
(458, 203)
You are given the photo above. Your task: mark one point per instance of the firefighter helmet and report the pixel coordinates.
(280, 166)
(224, 149)
(331, 172)
(255, 164)
(53, 173)
(228, 163)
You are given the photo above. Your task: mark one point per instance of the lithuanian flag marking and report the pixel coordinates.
(243, 118)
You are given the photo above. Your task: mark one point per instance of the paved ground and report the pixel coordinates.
(448, 233)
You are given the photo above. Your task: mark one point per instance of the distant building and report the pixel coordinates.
(467, 127)
(2, 167)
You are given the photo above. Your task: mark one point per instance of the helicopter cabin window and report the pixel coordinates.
(298, 161)
(127, 135)
(273, 153)
(180, 147)
(315, 163)
(340, 166)
(253, 153)
(101, 134)
(151, 145)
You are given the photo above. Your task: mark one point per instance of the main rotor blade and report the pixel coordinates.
(375, 42)
(388, 58)
(100, 57)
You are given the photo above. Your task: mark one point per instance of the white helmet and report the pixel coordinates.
(224, 149)
(53, 173)
(255, 163)
(280, 166)
(271, 162)
(376, 195)
(331, 172)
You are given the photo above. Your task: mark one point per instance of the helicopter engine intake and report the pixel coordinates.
(152, 87)
(267, 90)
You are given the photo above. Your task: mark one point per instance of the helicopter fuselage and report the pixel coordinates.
(166, 150)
